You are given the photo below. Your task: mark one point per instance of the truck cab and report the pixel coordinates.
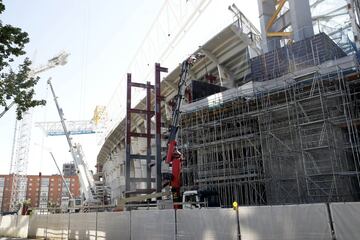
(200, 198)
(70, 204)
(190, 200)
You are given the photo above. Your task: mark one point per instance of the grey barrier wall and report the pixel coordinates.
(14, 226)
(340, 221)
(150, 224)
(56, 226)
(113, 225)
(83, 226)
(346, 220)
(207, 224)
(38, 225)
(295, 222)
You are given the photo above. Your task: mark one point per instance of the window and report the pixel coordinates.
(52, 179)
(31, 179)
(30, 188)
(30, 184)
(45, 182)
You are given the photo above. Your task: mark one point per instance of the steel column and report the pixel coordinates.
(158, 98)
(128, 134)
(270, 19)
(148, 132)
(266, 10)
(301, 21)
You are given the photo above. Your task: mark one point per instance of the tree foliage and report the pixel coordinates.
(15, 86)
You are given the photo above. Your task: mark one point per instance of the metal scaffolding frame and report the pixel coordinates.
(298, 143)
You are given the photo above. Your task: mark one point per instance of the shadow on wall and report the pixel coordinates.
(14, 226)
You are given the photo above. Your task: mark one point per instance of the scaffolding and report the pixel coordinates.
(288, 140)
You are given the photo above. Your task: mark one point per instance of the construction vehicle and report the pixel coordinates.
(87, 183)
(174, 156)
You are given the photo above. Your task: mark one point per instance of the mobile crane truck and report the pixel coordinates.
(174, 156)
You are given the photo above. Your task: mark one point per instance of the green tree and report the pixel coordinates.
(16, 87)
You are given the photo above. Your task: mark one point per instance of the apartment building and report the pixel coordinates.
(41, 190)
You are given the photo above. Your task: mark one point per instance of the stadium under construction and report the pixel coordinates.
(270, 118)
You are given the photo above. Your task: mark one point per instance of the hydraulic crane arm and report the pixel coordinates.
(173, 156)
(185, 66)
(184, 73)
(86, 179)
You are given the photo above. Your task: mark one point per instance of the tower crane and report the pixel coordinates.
(60, 59)
(87, 183)
(22, 137)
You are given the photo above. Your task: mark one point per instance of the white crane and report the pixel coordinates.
(86, 178)
(22, 137)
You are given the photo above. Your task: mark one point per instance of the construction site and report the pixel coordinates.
(278, 128)
(254, 125)
(291, 138)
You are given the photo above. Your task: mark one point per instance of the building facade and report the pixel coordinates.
(41, 190)
(69, 169)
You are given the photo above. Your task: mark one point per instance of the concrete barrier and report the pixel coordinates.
(37, 226)
(295, 222)
(346, 220)
(113, 225)
(82, 226)
(153, 224)
(57, 226)
(206, 224)
(14, 226)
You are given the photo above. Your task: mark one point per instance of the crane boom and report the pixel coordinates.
(62, 176)
(22, 137)
(85, 176)
(173, 156)
(184, 72)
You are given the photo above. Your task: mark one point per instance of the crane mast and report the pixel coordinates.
(22, 137)
(85, 176)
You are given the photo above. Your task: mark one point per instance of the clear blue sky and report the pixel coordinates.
(102, 38)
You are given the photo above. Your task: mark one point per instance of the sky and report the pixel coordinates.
(104, 39)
